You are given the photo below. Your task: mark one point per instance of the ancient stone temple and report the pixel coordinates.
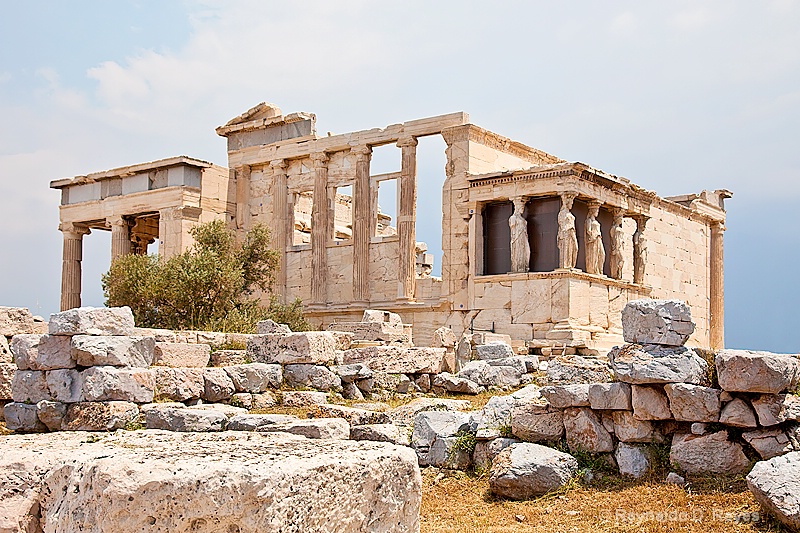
(535, 247)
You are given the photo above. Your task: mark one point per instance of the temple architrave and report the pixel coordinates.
(541, 249)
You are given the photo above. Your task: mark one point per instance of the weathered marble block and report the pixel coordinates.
(107, 383)
(526, 470)
(181, 355)
(117, 350)
(7, 371)
(179, 384)
(314, 376)
(708, 454)
(21, 417)
(693, 403)
(747, 371)
(42, 352)
(652, 363)
(396, 359)
(255, 377)
(217, 385)
(18, 321)
(92, 321)
(310, 347)
(667, 322)
(775, 484)
(29, 386)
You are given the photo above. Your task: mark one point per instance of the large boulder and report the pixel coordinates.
(537, 422)
(488, 375)
(585, 431)
(435, 438)
(738, 413)
(450, 383)
(632, 460)
(99, 416)
(487, 450)
(769, 443)
(713, 453)
(628, 428)
(693, 403)
(265, 327)
(404, 415)
(653, 363)
(562, 396)
(66, 385)
(526, 470)
(353, 415)
(179, 384)
(667, 322)
(322, 428)
(92, 321)
(206, 482)
(495, 418)
(775, 484)
(29, 386)
(108, 350)
(19, 321)
(571, 369)
(217, 385)
(494, 350)
(308, 347)
(252, 422)
(21, 417)
(746, 371)
(610, 396)
(183, 418)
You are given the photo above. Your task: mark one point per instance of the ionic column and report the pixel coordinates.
(362, 222)
(120, 237)
(71, 264)
(280, 220)
(639, 249)
(319, 230)
(406, 219)
(717, 288)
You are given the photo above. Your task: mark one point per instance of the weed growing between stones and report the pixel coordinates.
(465, 442)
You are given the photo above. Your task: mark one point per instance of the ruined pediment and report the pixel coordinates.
(263, 110)
(265, 124)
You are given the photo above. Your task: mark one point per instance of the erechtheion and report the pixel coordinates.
(535, 247)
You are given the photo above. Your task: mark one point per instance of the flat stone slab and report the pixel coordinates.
(309, 347)
(116, 350)
(206, 482)
(396, 359)
(181, 355)
(92, 321)
(775, 484)
(652, 363)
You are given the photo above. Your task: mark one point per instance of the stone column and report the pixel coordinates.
(362, 223)
(120, 237)
(319, 230)
(71, 264)
(639, 249)
(406, 219)
(520, 246)
(567, 235)
(242, 200)
(617, 244)
(280, 221)
(717, 288)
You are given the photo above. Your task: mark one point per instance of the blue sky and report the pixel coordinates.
(677, 96)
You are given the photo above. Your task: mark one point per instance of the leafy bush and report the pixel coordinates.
(209, 287)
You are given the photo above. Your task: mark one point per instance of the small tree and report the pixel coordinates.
(208, 287)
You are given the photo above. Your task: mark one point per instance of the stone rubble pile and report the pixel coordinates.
(13, 321)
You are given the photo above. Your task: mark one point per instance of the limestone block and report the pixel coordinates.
(738, 413)
(181, 355)
(251, 422)
(255, 377)
(535, 422)
(632, 460)
(92, 321)
(444, 338)
(487, 450)
(378, 433)
(667, 322)
(179, 384)
(610, 396)
(321, 428)
(775, 484)
(375, 331)
(350, 373)
(404, 415)
(628, 428)
(746, 371)
(450, 383)
(18, 321)
(22, 417)
(773, 409)
(342, 340)
(495, 417)
(29, 386)
(339, 485)
(530, 301)
(99, 416)
(263, 400)
(106, 350)
(769, 443)
(487, 375)
(65, 385)
(42, 352)
(397, 360)
(106, 383)
(520, 363)
(707, 454)
(652, 363)
(561, 396)
(433, 426)
(5, 351)
(313, 376)
(353, 415)
(495, 350)
(526, 470)
(375, 315)
(585, 431)
(693, 403)
(217, 385)
(650, 403)
(51, 414)
(572, 369)
(303, 398)
(183, 419)
(159, 335)
(310, 347)
(7, 371)
(270, 326)
(229, 357)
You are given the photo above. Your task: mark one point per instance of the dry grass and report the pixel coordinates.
(458, 503)
(4, 430)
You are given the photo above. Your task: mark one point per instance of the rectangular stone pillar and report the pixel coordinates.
(174, 224)
(717, 288)
(71, 264)
(406, 219)
(242, 200)
(319, 230)
(280, 221)
(363, 217)
(120, 237)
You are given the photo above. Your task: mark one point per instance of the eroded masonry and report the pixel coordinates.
(535, 247)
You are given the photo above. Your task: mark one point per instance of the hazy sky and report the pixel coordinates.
(677, 96)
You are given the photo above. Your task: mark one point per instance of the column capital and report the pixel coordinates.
(76, 230)
(320, 159)
(362, 152)
(567, 197)
(594, 203)
(403, 142)
(116, 221)
(718, 227)
(278, 164)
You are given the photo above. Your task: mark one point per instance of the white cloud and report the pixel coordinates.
(692, 19)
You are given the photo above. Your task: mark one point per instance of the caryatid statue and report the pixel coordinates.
(567, 236)
(520, 247)
(595, 253)
(617, 245)
(639, 250)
